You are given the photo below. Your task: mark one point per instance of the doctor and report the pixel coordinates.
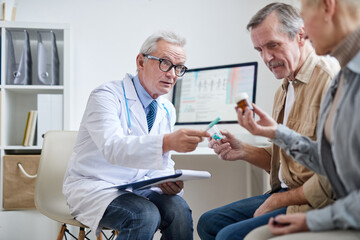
(125, 136)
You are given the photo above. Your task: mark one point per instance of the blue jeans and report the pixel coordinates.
(140, 214)
(235, 220)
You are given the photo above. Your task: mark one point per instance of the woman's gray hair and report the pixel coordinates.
(353, 3)
(289, 18)
(150, 43)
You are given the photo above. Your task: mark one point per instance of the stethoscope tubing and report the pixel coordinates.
(128, 112)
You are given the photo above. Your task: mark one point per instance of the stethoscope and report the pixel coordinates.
(129, 130)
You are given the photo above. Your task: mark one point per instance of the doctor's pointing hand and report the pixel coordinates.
(183, 140)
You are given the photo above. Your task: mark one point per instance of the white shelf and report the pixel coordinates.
(33, 89)
(34, 25)
(18, 100)
(15, 147)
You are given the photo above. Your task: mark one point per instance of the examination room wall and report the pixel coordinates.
(105, 38)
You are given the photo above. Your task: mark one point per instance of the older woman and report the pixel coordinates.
(333, 26)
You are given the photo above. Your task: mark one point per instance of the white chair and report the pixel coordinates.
(49, 200)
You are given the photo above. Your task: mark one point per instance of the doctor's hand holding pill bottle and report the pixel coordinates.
(225, 145)
(183, 140)
(213, 130)
(230, 148)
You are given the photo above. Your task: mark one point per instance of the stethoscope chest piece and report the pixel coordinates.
(129, 131)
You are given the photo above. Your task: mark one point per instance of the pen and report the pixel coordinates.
(213, 123)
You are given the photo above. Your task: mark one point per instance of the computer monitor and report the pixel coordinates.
(203, 94)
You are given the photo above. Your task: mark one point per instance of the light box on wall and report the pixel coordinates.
(203, 94)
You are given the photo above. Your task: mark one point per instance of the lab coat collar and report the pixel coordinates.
(129, 88)
(136, 108)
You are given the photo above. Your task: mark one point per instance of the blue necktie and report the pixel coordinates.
(150, 117)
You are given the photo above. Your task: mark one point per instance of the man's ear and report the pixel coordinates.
(301, 36)
(329, 8)
(140, 61)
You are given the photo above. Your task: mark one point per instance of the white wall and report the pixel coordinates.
(106, 37)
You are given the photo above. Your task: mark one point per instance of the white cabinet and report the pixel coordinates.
(18, 99)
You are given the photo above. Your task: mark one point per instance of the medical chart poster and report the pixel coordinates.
(206, 94)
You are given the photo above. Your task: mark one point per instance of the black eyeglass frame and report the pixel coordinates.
(176, 67)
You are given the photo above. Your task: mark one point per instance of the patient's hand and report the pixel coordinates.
(265, 126)
(228, 148)
(285, 224)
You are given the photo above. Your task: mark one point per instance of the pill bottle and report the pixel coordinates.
(242, 101)
(215, 133)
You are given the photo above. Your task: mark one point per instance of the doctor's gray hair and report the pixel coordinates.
(150, 43)
(289, 18)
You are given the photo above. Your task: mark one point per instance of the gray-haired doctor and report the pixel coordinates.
(125, 136)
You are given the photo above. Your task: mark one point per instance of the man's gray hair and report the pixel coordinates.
(289, 18)
(150, 43)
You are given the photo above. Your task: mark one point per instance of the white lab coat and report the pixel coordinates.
(105, 155)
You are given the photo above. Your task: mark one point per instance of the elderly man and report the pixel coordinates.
(334, 28)
(126, 136)
(277, 33)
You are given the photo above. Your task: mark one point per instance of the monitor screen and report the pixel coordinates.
(203, 94)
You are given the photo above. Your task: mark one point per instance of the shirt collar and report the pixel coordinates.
(143, 95)
(304, 74)
(354, 64)
(346, 50)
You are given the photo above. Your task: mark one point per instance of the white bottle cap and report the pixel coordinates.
(241, 96)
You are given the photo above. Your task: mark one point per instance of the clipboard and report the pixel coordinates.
(180, 175)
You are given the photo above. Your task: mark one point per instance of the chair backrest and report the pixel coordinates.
(56, 151)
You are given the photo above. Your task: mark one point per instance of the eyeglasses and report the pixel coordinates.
(166, 65)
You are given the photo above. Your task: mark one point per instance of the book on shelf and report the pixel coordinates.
(30, 128)
(27, 131)
(33, 129)
(50, 114)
